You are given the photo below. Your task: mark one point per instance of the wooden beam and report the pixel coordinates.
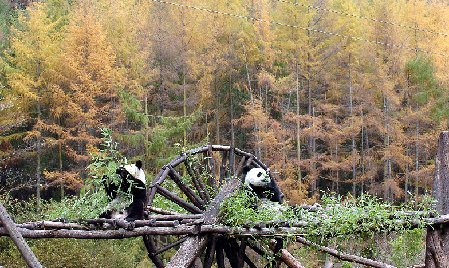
(344, 256)
(437, 240)
(11, 229)
(151, 247)
(191, 195)
(210, 251)
(195, 245)
(181, 202)
(199, 184)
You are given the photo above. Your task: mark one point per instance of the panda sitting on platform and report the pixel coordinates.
(132, 183)
(261, 183)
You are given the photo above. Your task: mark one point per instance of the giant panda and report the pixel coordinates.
(132, 183)
(261, 183)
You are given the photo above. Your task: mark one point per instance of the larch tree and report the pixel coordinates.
(90, 81)
(31, 75)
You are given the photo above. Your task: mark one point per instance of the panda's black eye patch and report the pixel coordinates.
(259, 174)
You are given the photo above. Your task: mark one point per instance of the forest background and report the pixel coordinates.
(346, 96)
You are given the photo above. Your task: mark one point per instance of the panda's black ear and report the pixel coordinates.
(139, 164)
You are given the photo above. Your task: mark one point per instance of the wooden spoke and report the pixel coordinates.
(199, 185)
(231, 161)
(223, 166)
(198, 193)
(169, 246)
(171, 196)
(161, 211)
(159, 179)
(230, 253)
(191, 195)
(249, 262)
(210, 251)
(220, 255)
(151, 248)
(241, 166)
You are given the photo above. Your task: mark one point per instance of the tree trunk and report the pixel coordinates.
(61, 183)
(194, 245)
(387, 162)
(417, 162)
(38, 140)
(298, 130)
(437, 241)
(217, 113)
(353, 152)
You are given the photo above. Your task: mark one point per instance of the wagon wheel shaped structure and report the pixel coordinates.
(193, 185)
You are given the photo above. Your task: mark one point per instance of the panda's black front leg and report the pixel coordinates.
(111, 191)
(135, 210)
(110, 188)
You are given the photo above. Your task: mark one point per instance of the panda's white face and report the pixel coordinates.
(257, 177)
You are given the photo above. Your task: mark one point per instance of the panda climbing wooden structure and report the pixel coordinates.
(132, 182)
(261, 183)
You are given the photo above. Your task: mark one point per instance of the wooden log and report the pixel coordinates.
(113, 232)
(230, 253)
(289, 260)
(105, 234)
(175, 162)
(13, 232)
(169, 246)
(344, 256)
(151, 247)
(285, 256)
(188, 252)
(210, 156)
(250, 161)
(221, 147)
(220, 255)
(437, 240)
(240, 152)
(249, 262)
(241, 166)
(175, 217)
(259, 163)
(195, 245)
(199, 150)
(210, 251)
(159, 180)
(161, 211)
(52, 225)
(201, 181)
(199, 185)
(224, 159)
(232, 161)
(239, 251)
(182, 203)
(191, 195)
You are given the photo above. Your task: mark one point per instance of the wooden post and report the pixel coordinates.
(437, 240)
(17, 238)
(194, 245)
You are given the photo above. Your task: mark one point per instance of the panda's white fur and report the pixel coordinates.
(257, 177)
(136, 172)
